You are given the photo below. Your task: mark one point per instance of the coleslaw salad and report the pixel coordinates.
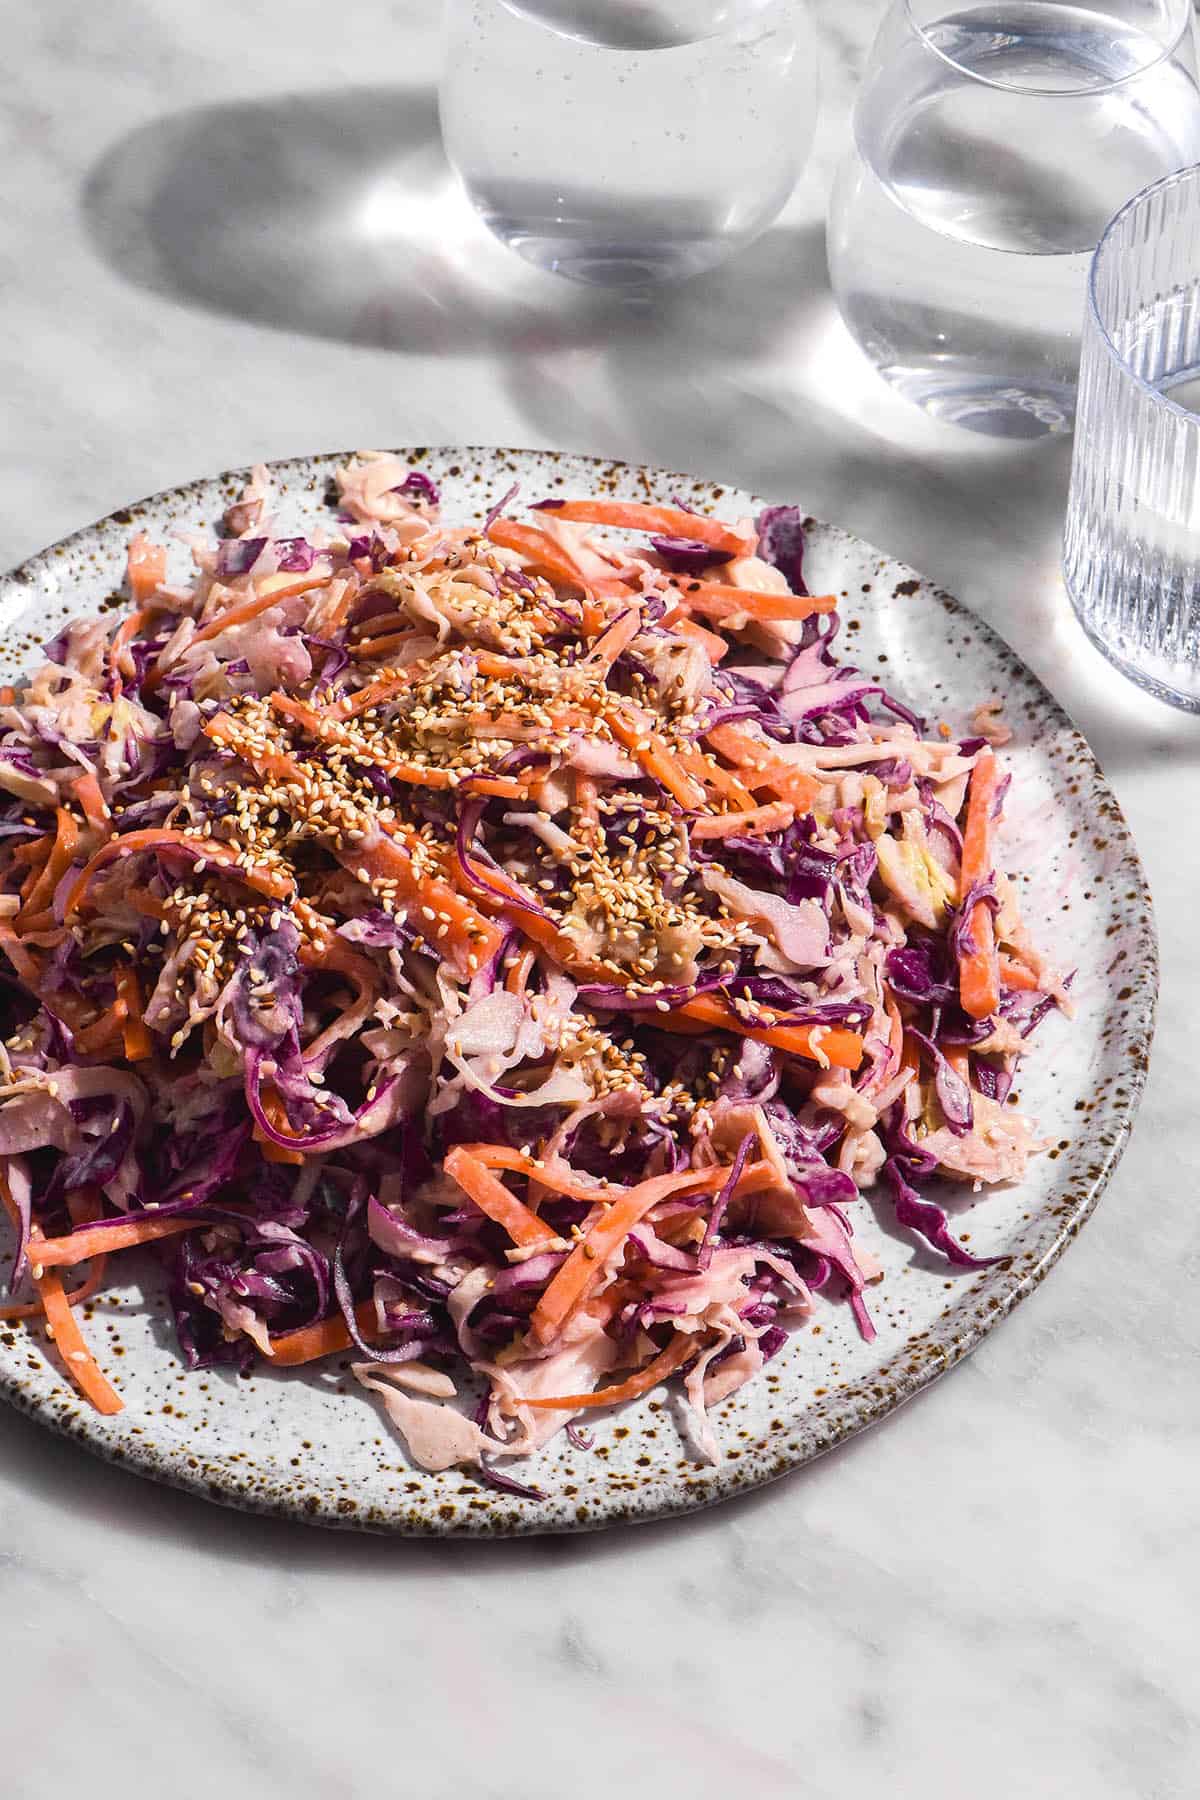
(502, 952)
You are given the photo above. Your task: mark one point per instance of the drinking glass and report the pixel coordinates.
(1132, 546)
(992, 144)
(626, 142)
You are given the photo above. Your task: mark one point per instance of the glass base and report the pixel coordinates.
(993, 402)
(587, 256)
(1182, 699)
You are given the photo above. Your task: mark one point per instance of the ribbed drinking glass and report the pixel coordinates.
(1132, 547)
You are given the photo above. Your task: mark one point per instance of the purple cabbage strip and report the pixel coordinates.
(418, 486)
(781, 543)
(237, 556)
(717, 1212)
(953, 1093)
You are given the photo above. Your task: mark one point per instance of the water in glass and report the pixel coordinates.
(1132, 545)
(625, 142)
(992, 145)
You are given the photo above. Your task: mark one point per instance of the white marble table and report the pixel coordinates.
(214, 250)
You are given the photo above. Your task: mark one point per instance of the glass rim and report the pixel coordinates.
(1175, 179)
(1016, 87)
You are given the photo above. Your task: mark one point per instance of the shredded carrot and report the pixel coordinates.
(517, 977)
(111, 1234)
(147, 567)
(1015, 974)
(493, 1198)
(539, 550)
(713, 646)
(291, 1348)
(667, 521)
(656, 758)
(721, 782)
(759, 769)
(61, 1323)
(717, 601)
(616, 639)
(587, 801)
(95, 808)
(119, 663)
(77, 1359)
(87, 1289)
(842, 1048)
(57, 863)
(979, 972)
(776, 816)
(207, 850)
(138, 1043)
(678, 1351)
(559, 1178)
(8, 695)
(105, 1033)
(273, 1106)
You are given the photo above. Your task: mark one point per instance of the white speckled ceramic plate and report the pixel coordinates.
(315, 1448)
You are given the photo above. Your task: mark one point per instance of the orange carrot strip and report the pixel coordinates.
(77, 1359)
(979, 972)
(291, 1348)
(376, 647)
(138, 1043)
(665, 1363)
(759, 769)
(775, 816)
(717, 601)
(106, 1032)
(667, 521)
(518, 976)
(1014, 974)
(111, 1234)
(616, 638)
(146, 565)
(585, 1266)
(844, 1049)
(88, 1287)
(274, 1108)
(722, 782)
(656, 759)
(56, 865)
(61, 1323)
(560, 1178)
(118, 663)
(713, 646)
(95, 808)
(207, 850)
(539, 550)
(493, 1198)
(8, 695)
(587, 800)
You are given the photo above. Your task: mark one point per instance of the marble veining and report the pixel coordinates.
(992, 1593)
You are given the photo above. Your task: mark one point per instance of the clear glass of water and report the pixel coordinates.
(626, 142)
(1131, 554)
(992, 144)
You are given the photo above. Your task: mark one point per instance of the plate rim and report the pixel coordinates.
(856, 1410)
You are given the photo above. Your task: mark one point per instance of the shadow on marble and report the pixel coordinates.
(337, 215)
(36, 1464)
(332, 214)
